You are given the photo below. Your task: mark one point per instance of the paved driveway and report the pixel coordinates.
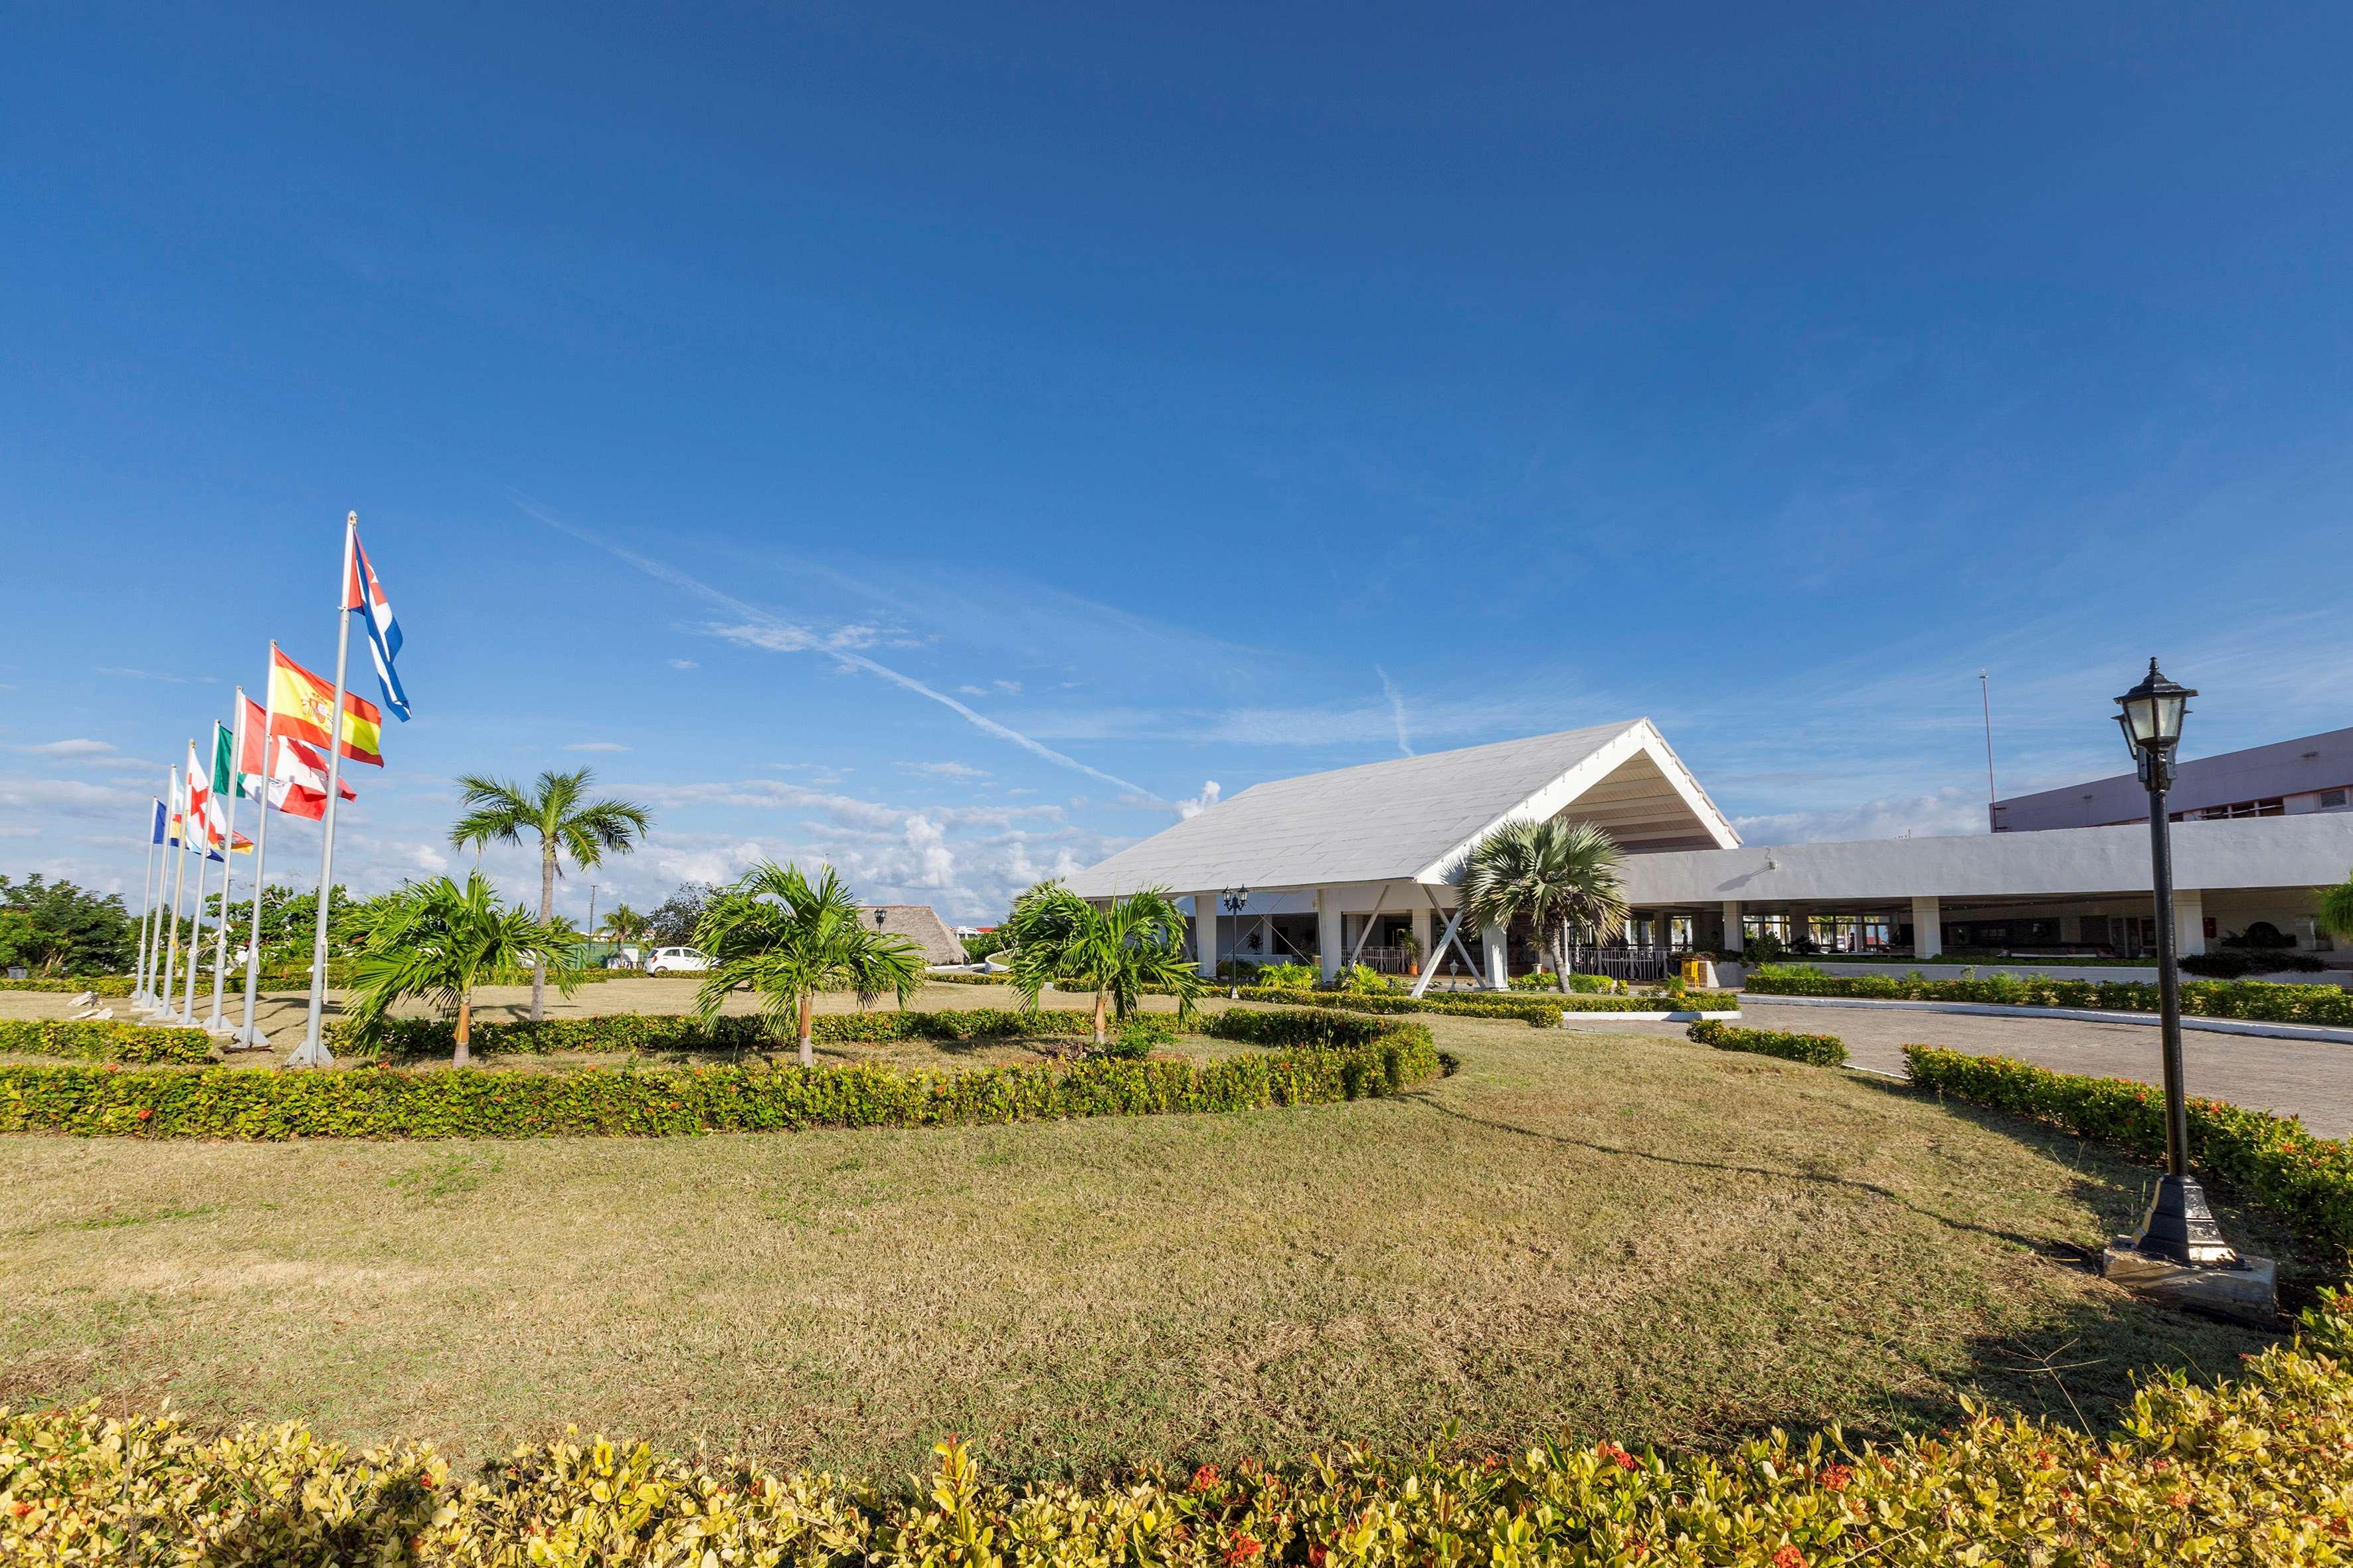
(2310, 1079)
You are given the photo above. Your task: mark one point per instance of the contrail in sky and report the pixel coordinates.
(763, 630)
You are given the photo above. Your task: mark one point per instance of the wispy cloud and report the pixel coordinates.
(684, 664)
(1397, 709)
(583, 745)
(155, 675)
(76, 749)
(758, 627)
(964, 773)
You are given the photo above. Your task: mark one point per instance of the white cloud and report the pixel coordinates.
(76, 749)
(963, 773)
(1942, 813)
(684, 664)
(1199, 803)
(69, 798)
(152, 675)
(1397, 709)
(575, 746)
(969, 689)
(1014, 687)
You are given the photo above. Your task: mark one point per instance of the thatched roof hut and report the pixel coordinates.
(919, 923)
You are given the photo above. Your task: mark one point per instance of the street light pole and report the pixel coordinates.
(2180, 1226)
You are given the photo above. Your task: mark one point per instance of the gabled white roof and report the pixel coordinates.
(1416, 817)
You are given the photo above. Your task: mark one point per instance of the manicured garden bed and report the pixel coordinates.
(2255, 1000)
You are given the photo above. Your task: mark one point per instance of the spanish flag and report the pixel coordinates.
(299, 704)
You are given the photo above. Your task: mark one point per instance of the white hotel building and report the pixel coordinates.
(1359, 865)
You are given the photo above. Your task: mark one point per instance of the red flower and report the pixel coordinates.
(22, 1509)
(1788, 1557)
(1616, 1455)
(145, 1112)
(1314, 1557)
(1241, 1550)
(1835, 1476)
(1205, 1477)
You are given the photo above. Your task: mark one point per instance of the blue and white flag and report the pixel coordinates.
(157, 837)
(361, 592)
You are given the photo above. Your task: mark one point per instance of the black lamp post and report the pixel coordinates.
(2179, 1226)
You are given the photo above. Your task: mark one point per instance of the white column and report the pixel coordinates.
(1497, 955)
(1328, 940)
(2189, 920)
(1928, 927)
(1422, 934)
(1732, 930)
(1205, 934)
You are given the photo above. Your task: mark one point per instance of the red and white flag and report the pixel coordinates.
(297, 781)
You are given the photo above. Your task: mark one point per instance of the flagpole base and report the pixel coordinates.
(218, 1024)
(312, 1054)
(250, 1038)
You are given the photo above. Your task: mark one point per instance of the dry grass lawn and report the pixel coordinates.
(1586, 1233)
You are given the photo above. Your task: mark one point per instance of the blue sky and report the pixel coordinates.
(946, 442)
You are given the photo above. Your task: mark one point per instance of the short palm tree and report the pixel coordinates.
(1060, 939)
(441, 941)
(2336, 913)
(790, 939)
(625, 925)
(1555, 875)
(559, 814)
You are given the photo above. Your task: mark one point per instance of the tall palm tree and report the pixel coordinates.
(438, 940)
(1060, 939)
(1554, 874)
(788, 938)
(558, 814)
(2335, 912)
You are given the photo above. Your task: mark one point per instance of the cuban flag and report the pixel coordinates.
(361, 592)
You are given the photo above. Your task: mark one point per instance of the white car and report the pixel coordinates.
(677, 961)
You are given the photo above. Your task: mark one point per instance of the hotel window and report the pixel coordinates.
(2330, 799)
(2274, 805)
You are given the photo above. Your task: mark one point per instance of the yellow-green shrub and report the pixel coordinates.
(374, 1102)
(2258, 1470)
(103, 1040)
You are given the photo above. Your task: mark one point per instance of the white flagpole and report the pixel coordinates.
(146, 912)
(313, 1052)
(217, 1024)
(179, 884)
(248, 1037)
(187, 1015)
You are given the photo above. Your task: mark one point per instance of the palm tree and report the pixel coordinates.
(788, 938)
(1060, 939)
(438, 940)
(564, 821)
(625, 925)
(2336, 913)
(1554, 874)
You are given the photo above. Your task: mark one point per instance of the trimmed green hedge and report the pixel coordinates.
(369, 1103)
(1540, 1013)
(2307, 1181)
(103, 1040)
(1815, 1050)
(684, 1032)
(2257, 1468)
(2259, 1000)
(72, 985)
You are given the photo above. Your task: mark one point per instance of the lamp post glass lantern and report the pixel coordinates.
(2179, 1226)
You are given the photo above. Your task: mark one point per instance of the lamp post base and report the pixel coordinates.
(2245, 1290)
(2180, 1227)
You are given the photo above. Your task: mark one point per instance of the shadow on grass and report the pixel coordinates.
(2078, 1360)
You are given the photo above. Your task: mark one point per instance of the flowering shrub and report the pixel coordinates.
(2261, 1001)
(1541, 1012)
(103, 1040)
(2307, 1181)
(371, 1102)
(1816, 1051)
(685, 1032)
(73, 986)
(2256, 1469)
